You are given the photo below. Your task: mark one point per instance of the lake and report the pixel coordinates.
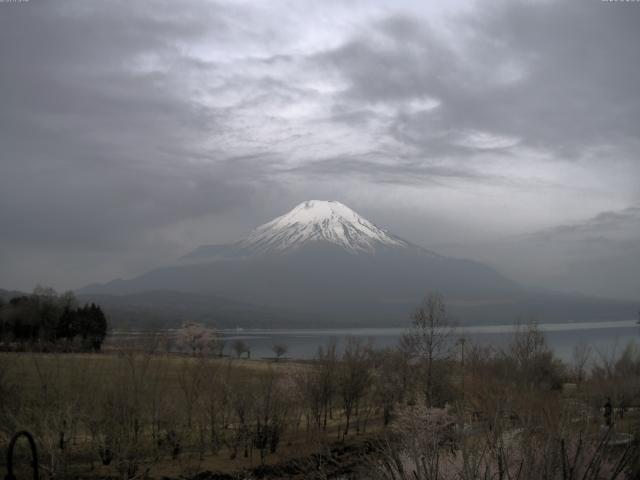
(604, 337)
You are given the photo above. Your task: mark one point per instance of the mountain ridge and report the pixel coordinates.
(323, 262)
(323, 258)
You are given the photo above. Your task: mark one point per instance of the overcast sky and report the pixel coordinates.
(131, 132)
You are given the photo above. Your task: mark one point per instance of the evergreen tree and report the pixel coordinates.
(49, 317)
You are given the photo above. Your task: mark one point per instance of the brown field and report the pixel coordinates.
(384, 415)
(135, 401)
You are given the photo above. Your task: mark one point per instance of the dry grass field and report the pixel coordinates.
(130, 414)
(386, 415)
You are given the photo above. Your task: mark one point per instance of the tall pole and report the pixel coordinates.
(462, 341)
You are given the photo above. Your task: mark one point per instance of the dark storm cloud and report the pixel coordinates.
(557, 76)
(598, 256)
(118, 203)
(405, 171)
(97, 147)
(122, 119)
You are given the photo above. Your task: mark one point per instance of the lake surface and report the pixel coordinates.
(604, 337)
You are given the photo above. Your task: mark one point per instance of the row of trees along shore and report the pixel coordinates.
(422, 410)
(48, 321)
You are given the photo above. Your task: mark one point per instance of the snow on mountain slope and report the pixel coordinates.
(318, 220)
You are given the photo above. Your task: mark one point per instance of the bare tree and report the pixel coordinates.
(279, 349)
(390, 381)
(532, 358)
(117, 424)
(9, 399)
(215, 405)
(581, 357)
(353, 377)
(430, 336)
(241, 391)
(191, 380)
(317, 387)
(239, 347)
(271, 407)
(327, 361)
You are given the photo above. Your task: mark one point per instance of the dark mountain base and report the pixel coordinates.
(168, 309)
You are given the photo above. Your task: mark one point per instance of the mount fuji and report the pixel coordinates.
(319, 261)
(310, 224)
(322, 264)
(320, 221)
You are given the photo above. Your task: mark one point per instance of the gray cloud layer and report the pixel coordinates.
(597, 256)
(130, 133)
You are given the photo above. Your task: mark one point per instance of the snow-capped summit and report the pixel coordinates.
(317, 221)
